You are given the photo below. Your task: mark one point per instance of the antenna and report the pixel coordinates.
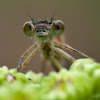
(52, 18)
(29, 17)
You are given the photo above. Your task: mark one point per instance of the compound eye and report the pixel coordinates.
(57, 28)
(28, 29)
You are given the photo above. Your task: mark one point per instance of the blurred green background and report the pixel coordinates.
(82, 26)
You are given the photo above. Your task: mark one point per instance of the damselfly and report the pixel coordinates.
(45, 32)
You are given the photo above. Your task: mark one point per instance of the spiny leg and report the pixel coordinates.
(27, 58)
(26, 53)
(56, 63)
(63, 53)
(67, 47)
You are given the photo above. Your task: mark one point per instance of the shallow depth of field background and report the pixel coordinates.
(81, 19)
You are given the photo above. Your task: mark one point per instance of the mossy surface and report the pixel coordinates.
(80, 82)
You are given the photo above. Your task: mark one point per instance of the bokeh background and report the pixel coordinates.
(82, 26)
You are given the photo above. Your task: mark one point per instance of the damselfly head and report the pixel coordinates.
(43, 28)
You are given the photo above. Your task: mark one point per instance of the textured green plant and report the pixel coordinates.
(80, 82)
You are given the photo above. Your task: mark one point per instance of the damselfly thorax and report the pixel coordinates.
(45, 32)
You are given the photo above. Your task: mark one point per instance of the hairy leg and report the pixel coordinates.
(67, 47)
(27, 56)
(26, 53)
(63, 53)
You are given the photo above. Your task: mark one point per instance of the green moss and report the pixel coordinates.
(80, 82)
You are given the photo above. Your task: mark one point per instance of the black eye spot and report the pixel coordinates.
(57, 27)
(30, 27)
